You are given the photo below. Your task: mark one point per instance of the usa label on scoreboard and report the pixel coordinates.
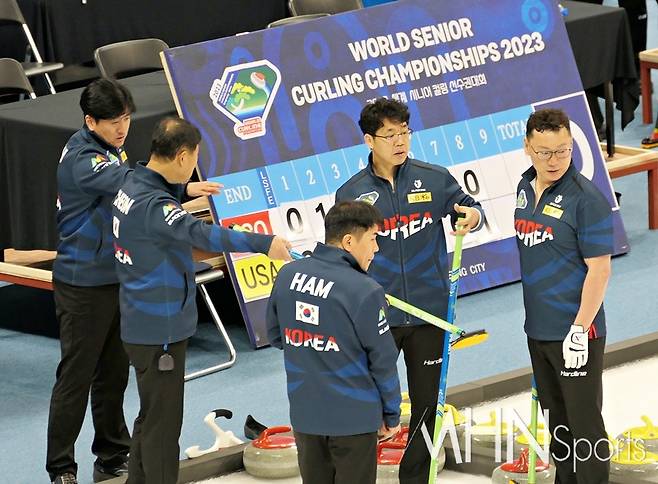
(278, 112)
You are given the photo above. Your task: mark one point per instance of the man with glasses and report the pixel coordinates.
(564, 234)
(412, 262)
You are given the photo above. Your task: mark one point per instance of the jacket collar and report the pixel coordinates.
(530, 174)
(398, 174)
(154, 179)
(336, 255)
(93, 137)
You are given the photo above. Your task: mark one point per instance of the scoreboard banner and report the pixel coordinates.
(278, 111)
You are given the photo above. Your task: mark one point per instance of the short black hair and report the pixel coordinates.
(349, 217)
(106, 99)
(373, 114)
(547, 120)
(172, 134)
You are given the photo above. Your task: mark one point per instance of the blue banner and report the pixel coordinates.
(278, 112)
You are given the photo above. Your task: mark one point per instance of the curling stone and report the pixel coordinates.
(632, 459)
(389, 456)
(253, 428)
(517, 471)
(272, 455)
(484, 434)
(521, 441)
(405, 410)
(647, 435)
(223, 439)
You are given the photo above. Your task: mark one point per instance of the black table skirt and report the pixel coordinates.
(602, 47)
(32, 135)
(68, 31)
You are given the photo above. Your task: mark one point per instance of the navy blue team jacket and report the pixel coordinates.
(329, 317)
(412, 263)
(153, 244)
(89, 174)
(572, 221)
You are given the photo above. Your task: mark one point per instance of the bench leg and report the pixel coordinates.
(222, 331)
(645, 85)
(653, 198)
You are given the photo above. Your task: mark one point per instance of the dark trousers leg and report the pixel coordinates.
(574, 400)
(92, 359)
(154, 451)
(337, 459)
(423, 348)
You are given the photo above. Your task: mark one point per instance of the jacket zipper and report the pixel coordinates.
(395, 201)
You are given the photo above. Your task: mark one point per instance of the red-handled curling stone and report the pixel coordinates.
(517, 471)
(272, 455)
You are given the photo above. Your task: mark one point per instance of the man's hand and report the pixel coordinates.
(280, 249)
(574, 347)
(385, 433)
(203, 189)
(467, 223)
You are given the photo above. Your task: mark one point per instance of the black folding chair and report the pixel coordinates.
(129, 58)
(13, 79)
(10, 14)
(306, 7)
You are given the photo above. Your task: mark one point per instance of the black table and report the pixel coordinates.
(68, 31)
(32, 135)
(601, 42)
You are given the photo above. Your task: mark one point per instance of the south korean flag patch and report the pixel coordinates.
(307, 313)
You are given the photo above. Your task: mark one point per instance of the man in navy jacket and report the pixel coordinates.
(329, 317)
(565, 238)
(153, 240)
(92, 167)
(412, 264)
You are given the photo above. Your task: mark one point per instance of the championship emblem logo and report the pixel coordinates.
(245, 94)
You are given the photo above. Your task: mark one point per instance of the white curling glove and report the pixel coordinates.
(574, 347)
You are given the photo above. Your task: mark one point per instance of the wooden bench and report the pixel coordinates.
(648, 61)
(33, 268)
(628, 161)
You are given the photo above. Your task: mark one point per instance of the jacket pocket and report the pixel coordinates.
(186, 291)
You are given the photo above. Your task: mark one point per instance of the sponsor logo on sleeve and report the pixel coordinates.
(307, 313)
(382, 325)
(522, 200)
(370, 197)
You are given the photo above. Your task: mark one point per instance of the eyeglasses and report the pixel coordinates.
(560, 154)
(402, 135)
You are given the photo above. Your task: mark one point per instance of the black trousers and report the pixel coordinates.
(423, 348)
(154, 451)
(574, 400)
(347, 459)
(93, 360)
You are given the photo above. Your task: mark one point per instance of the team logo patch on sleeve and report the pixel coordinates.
(522, 200)
(98, 162)
(172, 212)
(307, 313)
(382, 325)
(370, 197)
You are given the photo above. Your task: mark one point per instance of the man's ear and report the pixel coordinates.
(368, 140)
(347, 242)
(90, 122)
